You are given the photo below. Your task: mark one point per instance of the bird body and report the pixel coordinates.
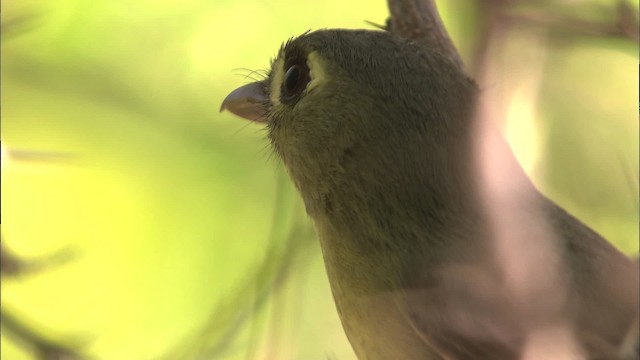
(377, 135)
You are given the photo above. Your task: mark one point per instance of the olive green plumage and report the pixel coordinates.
(377, 135)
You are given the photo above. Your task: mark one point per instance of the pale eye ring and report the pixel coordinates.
(295, 81)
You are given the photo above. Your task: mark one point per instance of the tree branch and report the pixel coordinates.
(419, 20)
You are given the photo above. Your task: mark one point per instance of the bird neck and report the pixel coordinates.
(377, 210)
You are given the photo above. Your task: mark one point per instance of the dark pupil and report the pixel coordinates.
(295, 81)
(291, 79)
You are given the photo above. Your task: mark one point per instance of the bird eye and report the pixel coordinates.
(295, 80)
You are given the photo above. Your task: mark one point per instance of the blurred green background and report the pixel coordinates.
(185, 237)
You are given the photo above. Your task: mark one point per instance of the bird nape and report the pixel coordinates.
(426, 259)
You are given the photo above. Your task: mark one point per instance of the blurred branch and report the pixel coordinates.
(16, 25)
(419, 20)
(43, 348)
(29, 338)
(512, 228)
(625, 25)
(229, 319)
(238, 310)
(12, 265)
(537, 295)
(44, 156)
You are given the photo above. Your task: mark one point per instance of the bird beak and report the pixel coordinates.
(249, 101)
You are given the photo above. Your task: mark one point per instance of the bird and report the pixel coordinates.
(377, 134)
